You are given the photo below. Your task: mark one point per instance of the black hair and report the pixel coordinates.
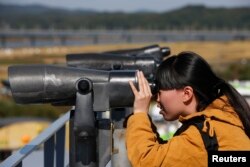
(190, 69)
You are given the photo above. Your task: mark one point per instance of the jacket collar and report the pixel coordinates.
(219, 109)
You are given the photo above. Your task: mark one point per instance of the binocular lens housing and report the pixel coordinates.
(57, 85)
(110, 62)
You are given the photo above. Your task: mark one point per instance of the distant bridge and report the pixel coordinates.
(23, 38)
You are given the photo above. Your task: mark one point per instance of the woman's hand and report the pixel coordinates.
(143, 95)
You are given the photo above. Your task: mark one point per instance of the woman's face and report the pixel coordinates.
(171, 104)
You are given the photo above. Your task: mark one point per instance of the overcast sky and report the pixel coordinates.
(129, 5)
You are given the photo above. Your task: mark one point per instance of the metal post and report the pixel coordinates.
(104, 138)
(72, 143)
(49, 148)
(60, 146)
(84, 144)
(20, 164)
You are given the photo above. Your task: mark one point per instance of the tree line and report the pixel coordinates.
(189, 17)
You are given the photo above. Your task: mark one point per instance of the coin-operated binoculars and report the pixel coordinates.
(90, 91)
(145, 59)
(93, 83)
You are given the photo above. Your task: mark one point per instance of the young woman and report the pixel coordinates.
(214, 115)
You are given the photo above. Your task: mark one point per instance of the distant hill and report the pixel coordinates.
(189, 17)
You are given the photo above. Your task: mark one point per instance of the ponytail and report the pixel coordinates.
(239, 104)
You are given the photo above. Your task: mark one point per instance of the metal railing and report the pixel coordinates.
(35, 38)
(53, 140)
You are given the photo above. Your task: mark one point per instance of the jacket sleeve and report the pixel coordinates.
(144, 150)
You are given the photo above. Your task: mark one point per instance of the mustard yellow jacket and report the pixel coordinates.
(188, 148)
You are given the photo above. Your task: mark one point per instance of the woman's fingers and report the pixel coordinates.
(143, 95)
(140, 82)
(146, 86)
(133, 88)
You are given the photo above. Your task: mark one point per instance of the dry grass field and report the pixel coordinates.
(217, 54)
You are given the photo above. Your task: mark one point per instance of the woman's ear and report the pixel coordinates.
(188, 94)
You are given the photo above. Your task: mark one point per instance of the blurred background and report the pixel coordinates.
(44, 31)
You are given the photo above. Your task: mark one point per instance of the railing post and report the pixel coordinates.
(49, 151)
(60, 147)
(20, 164)
(72, 150)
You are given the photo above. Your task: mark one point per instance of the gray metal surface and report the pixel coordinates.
(57, 85)
(109, 62)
